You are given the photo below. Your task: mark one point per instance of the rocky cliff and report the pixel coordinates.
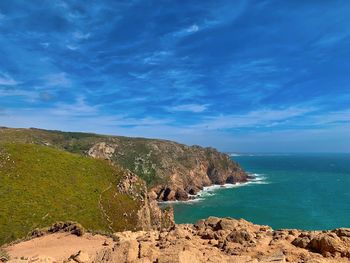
(210, 240)
(171, 170)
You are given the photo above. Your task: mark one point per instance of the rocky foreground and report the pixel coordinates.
(211, 240)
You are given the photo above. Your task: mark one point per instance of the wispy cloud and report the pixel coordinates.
(328, 118)
(192, 29)
(72, 47)
(185, 31)
(333, 38)
(6, 80)
(157, 57)
(254, 119)
(45, 44)
(60, 79)
(80, 35)
(196, 108)
(79, 108)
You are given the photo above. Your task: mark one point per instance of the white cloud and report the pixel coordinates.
(254, 119)
(72, 47)
(156, 57)
(6, 80)
(332, 39)
(79, 108)
(45, 44)
(26, 94)
(185, 31)
(81, 36)
(196, 108)
(57, 79)
(328, 118)
(192, 29)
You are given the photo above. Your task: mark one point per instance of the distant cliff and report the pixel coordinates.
(171, 170)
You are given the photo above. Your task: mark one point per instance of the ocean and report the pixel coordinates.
(304, 191)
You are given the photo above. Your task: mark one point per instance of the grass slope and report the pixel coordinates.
(80, 143)
(40, 185)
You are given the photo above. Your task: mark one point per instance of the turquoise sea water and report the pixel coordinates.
(291, 191)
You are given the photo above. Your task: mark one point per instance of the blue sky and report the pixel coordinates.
(261, 76)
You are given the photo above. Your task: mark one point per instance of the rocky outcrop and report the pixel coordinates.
(333, 243)
(172, 171)
(211, 240)
(102, 151)
(150, 216)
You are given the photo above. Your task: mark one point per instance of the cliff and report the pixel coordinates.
(172, 171)
(210, 240)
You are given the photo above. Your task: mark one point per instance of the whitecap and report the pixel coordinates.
(208, 191)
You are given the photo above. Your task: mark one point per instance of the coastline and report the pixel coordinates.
(252, 178)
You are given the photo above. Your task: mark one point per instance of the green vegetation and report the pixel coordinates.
(40, 185)
(80, 143)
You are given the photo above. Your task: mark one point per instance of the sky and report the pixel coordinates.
(241, 76)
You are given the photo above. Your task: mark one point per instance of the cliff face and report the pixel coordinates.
(149, 215)
(173, 171)
(210, 240)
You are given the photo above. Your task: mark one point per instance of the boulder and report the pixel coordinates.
(240, 236)
(227, 224)
(181, 195)
(325, 244)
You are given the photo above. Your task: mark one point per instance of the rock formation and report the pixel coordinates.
(210, 240)
(173, 171)
(150, 216)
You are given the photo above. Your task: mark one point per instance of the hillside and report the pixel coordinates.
(40, 185)
(171, 170)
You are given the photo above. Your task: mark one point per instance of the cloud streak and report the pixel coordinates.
(6, 80)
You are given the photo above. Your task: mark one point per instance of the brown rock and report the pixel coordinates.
(181, 195)
(227, 224)
(212, 221)
(326, 243)
(342, 232)
(240, 236)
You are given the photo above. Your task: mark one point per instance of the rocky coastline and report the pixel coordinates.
(196, 196)
(182, 171)
(211, 240)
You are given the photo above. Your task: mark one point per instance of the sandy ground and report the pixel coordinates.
(59, 246)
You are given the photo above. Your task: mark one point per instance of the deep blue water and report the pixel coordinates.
(310, 191)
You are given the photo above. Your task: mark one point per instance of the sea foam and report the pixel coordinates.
(208, 191)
